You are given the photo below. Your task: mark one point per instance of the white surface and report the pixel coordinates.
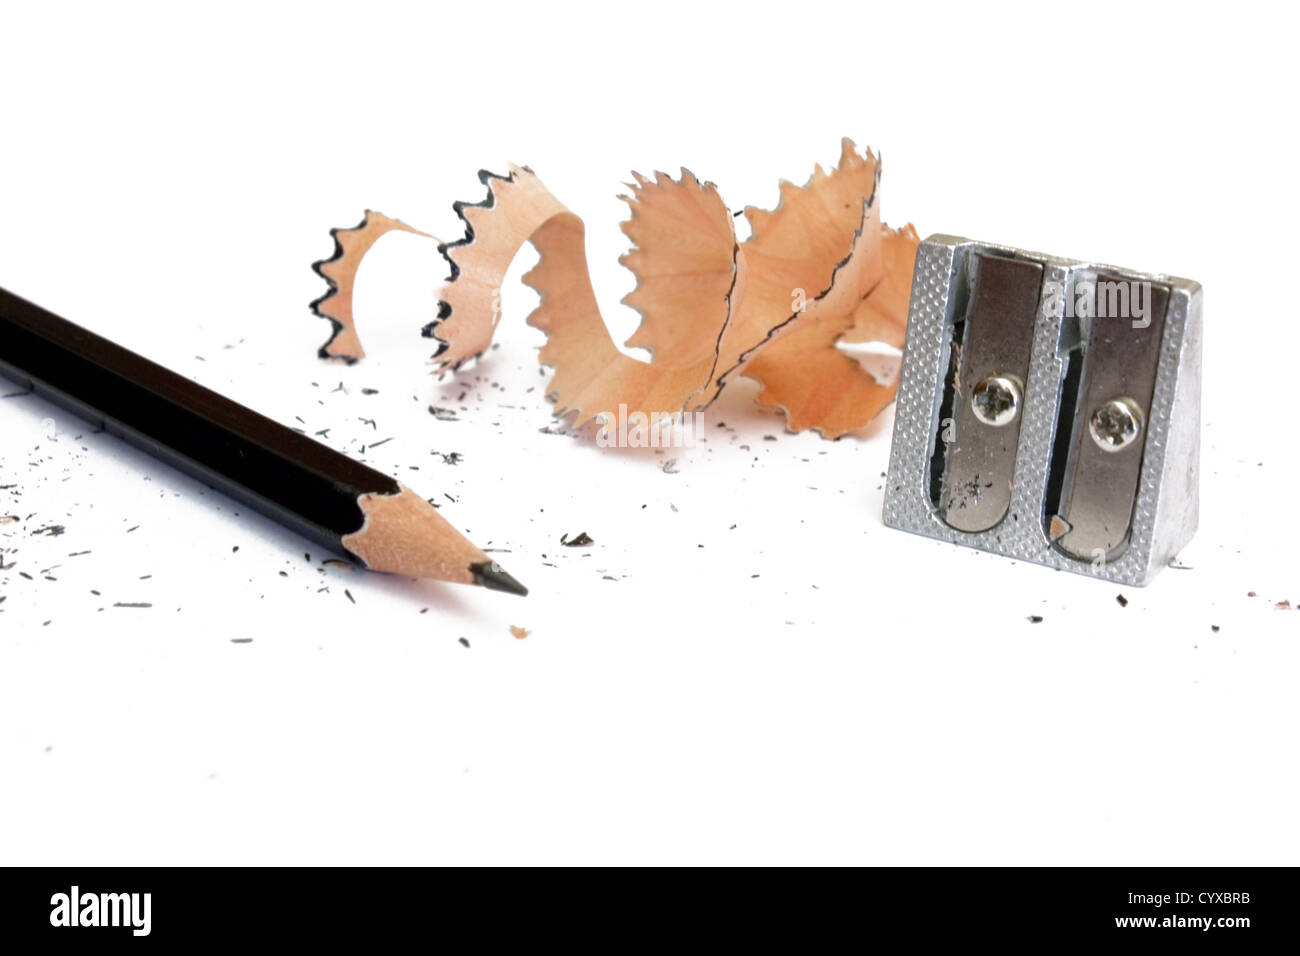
(168, 176)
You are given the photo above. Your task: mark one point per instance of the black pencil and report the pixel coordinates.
(327, 497)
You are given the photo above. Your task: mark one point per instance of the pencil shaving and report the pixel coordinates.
(818, 269)
(590, 376)
(877, 317)
(803, 373)
(340, 271)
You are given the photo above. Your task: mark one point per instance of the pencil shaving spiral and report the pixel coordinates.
(817, 270)
(340, 272)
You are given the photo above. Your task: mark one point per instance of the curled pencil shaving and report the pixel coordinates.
(340, 271)
(590, 375)
(804, 374)
(882, 316)
(818, 269)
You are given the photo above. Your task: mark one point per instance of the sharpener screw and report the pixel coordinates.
(995, 400)
(1115, 424)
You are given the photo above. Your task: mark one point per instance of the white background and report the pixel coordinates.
(807, 686)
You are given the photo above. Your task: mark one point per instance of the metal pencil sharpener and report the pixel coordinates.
(1048, 410)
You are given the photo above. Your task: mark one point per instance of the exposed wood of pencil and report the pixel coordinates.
(339, 503)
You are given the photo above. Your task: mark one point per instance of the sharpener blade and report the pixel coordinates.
(1100, 483)
(993, 342)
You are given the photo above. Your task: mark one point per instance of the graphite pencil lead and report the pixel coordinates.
(492, 575)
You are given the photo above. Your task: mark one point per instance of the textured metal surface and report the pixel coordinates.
(1167, 500)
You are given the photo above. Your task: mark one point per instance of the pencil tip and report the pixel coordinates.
(492, 575)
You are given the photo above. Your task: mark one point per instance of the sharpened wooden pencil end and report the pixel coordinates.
(404, 534)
